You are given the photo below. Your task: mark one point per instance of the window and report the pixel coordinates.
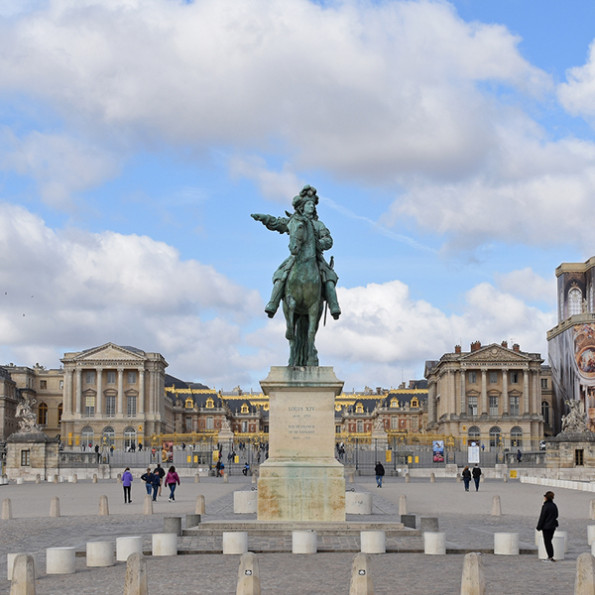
(131, 406)
(43, 384)
(90, 377)
(244, 427)
(42, 414)
(61, 384)
(87, 438)
(360, 426)
(244, 408)
(210, 424)
(545, 412)
(110, 406)
(514, 378)
(472, 376)
(210, 404)
(89, 406)
(60, 412)
(516, 437)
(109, 436)
(25, 458)
(394, 402)
(473, 434)
(493, 377)
(131, 377)
(189, 403)
(493, 405)
(579, 457)
(495, 437)
(111, 377)
(544, 383)
(414, 402)
(472, 405)
(129, 438)
(359, 408)
(575, 299)
(394, 423)
(514, 405)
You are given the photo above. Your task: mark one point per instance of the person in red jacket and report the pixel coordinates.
(172, 479)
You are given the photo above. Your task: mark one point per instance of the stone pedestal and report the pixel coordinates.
(301, 480)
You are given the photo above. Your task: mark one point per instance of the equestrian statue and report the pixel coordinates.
(304, 280)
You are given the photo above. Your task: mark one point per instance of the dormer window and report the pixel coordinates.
(210, 404)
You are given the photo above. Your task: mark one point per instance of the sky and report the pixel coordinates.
(452, 145)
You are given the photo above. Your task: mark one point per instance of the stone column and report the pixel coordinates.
(505, 391)
(78, 395)
(463, 410)
(99, 403)
(536, 409)
(67, 392)
(525, 391)
(452, 398)
(141, 391)
(483, 407)
(120, 391)
(432, 402)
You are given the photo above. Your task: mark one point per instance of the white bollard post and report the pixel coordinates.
(496, 509)
(402, 504)
(55, 507)
(592, 510)
(94, 480)
(373, 542)
(506, 544)
(361, 580)
(6, 513)
(165, 544)
(584, 583)
(434, 544)
(197, 478)
(136, 582)
(200, 504)
(10, 560)
(304, 542)
(20, 481)
(248, 575)
(103, 506)
(590, 534)
(432, 477)
(235, 542)
(558, 542)
(23, 575)
(100, 553)
(244, 502)
(59, 560)
(128, 545)
(473, 579)
(148, 504)
(358, 503)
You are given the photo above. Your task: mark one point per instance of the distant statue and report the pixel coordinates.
(574, 421)
(25, 414)
(304, 280)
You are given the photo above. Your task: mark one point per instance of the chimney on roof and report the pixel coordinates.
(457, 349)
(476, 346)
(516, 347)
(505, 344)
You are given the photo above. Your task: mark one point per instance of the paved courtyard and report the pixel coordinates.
(465, 518)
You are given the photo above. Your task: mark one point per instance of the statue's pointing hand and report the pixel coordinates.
(258, 216)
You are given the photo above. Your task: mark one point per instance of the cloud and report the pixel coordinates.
(528, 285)
(576, 95)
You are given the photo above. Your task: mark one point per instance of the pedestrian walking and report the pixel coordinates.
(161, 473)
(466, 477)
(127, 480)
(379, 470)
(476, 475)
(148, 479)
(547, 523)
(156, 484)
(172, 479)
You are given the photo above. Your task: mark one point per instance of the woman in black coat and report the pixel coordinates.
(548, 521)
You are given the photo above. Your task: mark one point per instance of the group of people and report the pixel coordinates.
(153, 482)
(468, 474)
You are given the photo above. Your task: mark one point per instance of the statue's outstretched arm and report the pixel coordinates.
(273, 223)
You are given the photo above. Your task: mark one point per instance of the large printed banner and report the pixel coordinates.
(438, 451)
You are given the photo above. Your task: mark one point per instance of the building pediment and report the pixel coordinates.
(495, 353)
(110, 352)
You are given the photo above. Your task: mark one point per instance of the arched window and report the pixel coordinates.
(414, 402)
(394, 402)
(495, 437)
(189, 403)
(87, 436)
(129, 437)
(60, 408)
(359, 408)
(42, 414)
(575, 301)
(211, 404)
(244, 408)
(516, 437)
(473, 434)
(545, 412)
(108, 436)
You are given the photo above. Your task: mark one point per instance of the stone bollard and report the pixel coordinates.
(408, 520)
(55, 507)
(197, 478)
(248, 575)
(590, 534)
(429, 523)
(592, 510)
(351, 477)
(10, 560)
(358, 503)
(119, 477)
(473, 579)
(172, 524)
(94, 480)
(38, 478)
(402, 504)
(136, 582)
(505, 478)
(407, 478)
(200, 504)
(506, 544)
(148, 504)
(59, 560)
(225, 478)
(254, 478)
(361, 581)
(125, 546)
(6, 513)
(73, 478)
(100, 553)
(23, 575)
(304, 542)
(192, 520)
(103, 506)
(434, 543)
(496, 509)
(432, 477)
(244, 502)
(165, 544)
(60, 479)
(557, 543)
(55, 479)
(584, 582)
(373, 542)
(20, 481)
(235, 542)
